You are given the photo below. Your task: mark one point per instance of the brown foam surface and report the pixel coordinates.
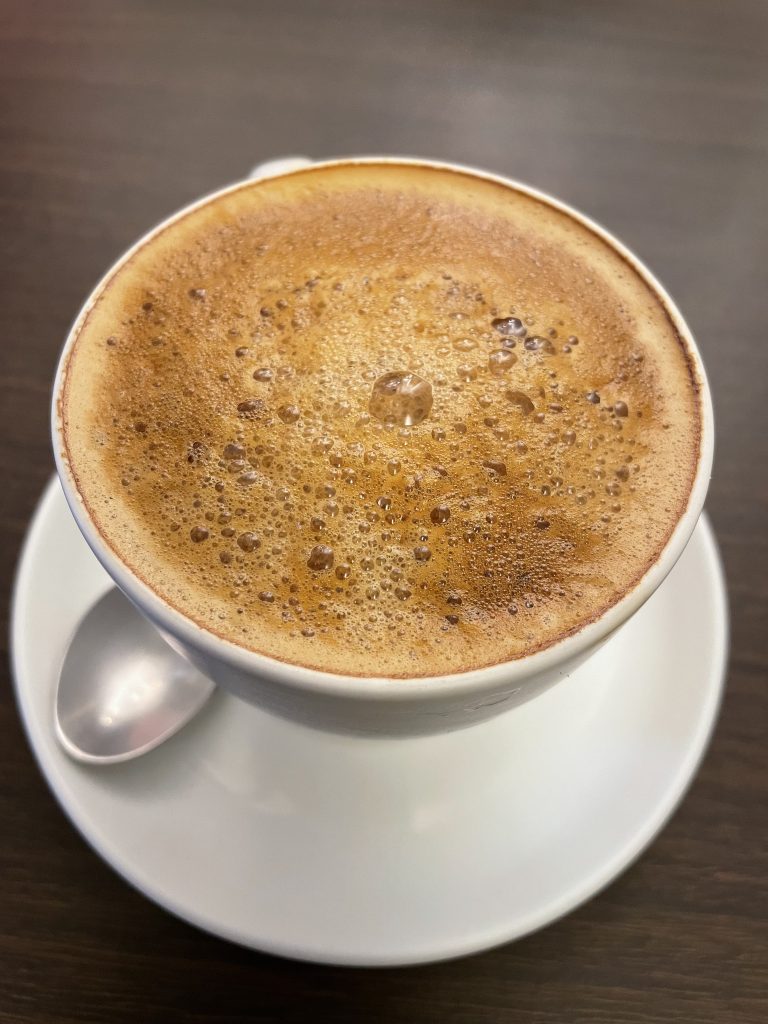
(382, 420)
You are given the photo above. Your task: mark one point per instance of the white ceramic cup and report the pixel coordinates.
(376, 705)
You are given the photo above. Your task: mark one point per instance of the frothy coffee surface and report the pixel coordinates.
(382, 420)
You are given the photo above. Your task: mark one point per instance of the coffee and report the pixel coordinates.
(381, 419)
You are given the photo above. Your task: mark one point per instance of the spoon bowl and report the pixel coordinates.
(122, 690)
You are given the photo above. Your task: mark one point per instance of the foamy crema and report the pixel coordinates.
(382, 419)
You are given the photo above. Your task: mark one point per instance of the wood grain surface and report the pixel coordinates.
(651, 117)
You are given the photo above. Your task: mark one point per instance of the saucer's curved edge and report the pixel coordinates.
(650, 829)
(588, 888)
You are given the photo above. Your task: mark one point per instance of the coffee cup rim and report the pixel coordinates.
(453, 685)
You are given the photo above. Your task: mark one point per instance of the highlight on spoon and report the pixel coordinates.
(122, 690)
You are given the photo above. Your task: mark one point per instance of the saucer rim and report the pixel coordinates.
(588, 887)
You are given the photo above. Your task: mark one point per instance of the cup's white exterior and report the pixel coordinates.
(379, 705)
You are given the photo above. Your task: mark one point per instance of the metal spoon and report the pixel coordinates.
(122, 690)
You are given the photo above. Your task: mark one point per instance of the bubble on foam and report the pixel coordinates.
(248, 541)
(519, 400)
(199, 533)
(509, 326)
(320, 558)
(466, 372)
(501, 360)
(250, 408)
(536, 343)
(289, 413)
(464, 344)
(401, 398)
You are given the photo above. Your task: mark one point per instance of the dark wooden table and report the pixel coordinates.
(653, 118)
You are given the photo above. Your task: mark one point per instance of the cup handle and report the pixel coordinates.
(282, 165)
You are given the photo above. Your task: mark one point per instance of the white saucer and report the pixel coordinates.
(373, 851)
